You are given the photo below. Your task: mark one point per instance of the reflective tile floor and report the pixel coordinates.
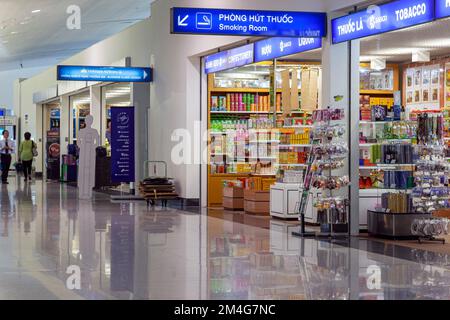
(53, 246)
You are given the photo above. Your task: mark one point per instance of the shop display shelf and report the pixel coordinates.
(218, 133)
(243, 112)
(239, 90)
(375, 92)
(389, 167)
(302, 126)
(303, 165)
(381, 141)
(264, 141)
(295, 145)
(262, 157)
(364, 145)
(384, 122)
(377, 192)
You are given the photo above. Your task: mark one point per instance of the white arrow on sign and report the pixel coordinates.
(182, 22)
(145, 74)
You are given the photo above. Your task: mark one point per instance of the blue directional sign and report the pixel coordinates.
(248, 22)
(442, 8)
(229, 59)
(273, 48)
(104, 74)
(383, 18)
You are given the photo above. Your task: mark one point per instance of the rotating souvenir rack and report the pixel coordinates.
(409, 215)
(431, 192)
(328, 154)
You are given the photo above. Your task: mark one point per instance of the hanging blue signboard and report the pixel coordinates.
(248, 22)
(273, 48)
(229, 59)
(383, 18)
(104, 74)
(122, 144)
(442, 8)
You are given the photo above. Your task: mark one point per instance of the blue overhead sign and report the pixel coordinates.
(383, 18)
(104, 74)
(273, 48)
(248, 22)
(442, 8)
(229, 59)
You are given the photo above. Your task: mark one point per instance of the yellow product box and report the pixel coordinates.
(267, 183)
(243, 167)
(374, 101)
(292, 157)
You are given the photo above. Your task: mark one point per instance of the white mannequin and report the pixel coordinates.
(88, 139)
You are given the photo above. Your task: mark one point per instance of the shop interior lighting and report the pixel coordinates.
(378, 64)
(421, 56)
(36, 11)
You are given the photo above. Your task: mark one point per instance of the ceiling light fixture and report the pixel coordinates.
(421, 56)
(14, 32)
(36, 11)
(378, 64)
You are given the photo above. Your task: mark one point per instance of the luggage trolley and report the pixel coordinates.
(155, 186)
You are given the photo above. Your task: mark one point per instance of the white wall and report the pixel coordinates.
(7, 79)
(175, 93)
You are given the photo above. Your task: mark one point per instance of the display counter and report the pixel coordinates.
(392, 225)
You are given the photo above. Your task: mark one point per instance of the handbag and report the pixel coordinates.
(18, 166)
(34, 150)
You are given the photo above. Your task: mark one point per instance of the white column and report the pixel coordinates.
(103, 114)
(38, 137)
(96, 107)
(66, 125)
(354, 137)
(340, 77)
(140, 99)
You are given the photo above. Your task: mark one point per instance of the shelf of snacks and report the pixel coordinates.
(376, 92)
(245, 134)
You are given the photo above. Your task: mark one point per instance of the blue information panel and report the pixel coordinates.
(442, 8)
(273, 48)
(122, 144)
(104, 74)
(248, 22)
(229, 59)
(379, 19)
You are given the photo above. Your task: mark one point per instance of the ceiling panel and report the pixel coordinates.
(30, 38)
(398, 46)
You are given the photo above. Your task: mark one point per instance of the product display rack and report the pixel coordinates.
(326, 156)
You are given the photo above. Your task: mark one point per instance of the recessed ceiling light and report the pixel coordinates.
(24, 22)
(14, 32)
(36, 11)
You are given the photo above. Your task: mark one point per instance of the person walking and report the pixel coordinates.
(26, 155)
(7, 147)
